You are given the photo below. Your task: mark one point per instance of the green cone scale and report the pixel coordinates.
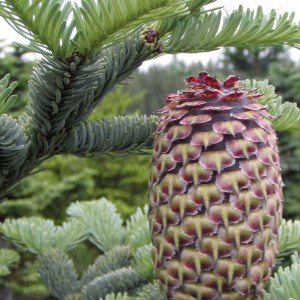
(215, 192)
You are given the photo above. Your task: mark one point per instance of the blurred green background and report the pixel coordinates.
(123, 179)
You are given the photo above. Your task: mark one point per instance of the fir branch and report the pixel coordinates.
(7, 258)
(137, 230)
(119, 296)
(64, 92)
(117, 258)
(32, 234)
(36, 235)
(43, 23)
(69, 235)
(286, 115)
(289, 238)
(14, 147)
(6, 98)
(58, 90)
(58, 273)
(4, 270)
(121, 59)
(100, 23)
(285, 283)
(111, 135)
(207, 32)
(195, 7)
(121, 280)
(151, 292)
(143, 263)
(263, 87)
(101, 220)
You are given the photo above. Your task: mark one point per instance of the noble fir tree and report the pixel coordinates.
(89, 48)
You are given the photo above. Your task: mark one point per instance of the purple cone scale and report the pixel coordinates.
(215, 192)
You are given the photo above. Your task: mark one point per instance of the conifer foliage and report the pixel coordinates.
(124, 262)
(123, 270)
(88, 48)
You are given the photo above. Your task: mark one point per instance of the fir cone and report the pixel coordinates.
(215, 192)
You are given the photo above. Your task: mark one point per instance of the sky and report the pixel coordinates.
(279, 5)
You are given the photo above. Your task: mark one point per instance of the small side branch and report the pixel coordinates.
(111, 135)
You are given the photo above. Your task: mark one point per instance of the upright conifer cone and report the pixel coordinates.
(215, 192)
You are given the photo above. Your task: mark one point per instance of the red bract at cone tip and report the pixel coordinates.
(215, 192)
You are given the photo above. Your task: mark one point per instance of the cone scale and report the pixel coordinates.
(215, 192)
